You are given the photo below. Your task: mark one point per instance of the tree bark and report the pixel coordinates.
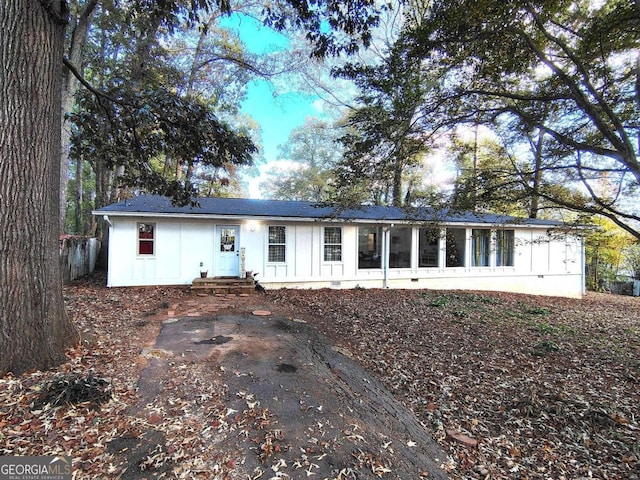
(69, 85)
(79, 217)
(34, 329)
(398, 170)
(537, 176)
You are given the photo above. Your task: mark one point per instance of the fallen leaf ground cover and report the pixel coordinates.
(179, 431)
(548, 387)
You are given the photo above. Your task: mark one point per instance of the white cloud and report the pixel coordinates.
(318, 105)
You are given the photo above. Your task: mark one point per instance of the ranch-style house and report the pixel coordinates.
(304, 245)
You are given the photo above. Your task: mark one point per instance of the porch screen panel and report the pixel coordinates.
(369, 247)
(400, 248)
(455, 246)
(428, 246)
(504, 248)
(277, 244)
(480, 245)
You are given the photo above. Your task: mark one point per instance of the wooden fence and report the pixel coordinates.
(77, 256)
(631, 287)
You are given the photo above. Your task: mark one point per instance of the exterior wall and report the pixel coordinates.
(545, 264)
(179, 249)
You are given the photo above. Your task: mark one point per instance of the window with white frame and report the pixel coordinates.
(332, 244)
(146, 238)
(480, 247)
(505, 248)
(277, 244)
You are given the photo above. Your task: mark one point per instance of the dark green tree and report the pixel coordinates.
(134, 118)
(387, 135)
(146, 125)
(148, 122)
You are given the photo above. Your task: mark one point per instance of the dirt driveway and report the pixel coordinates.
(297, 407)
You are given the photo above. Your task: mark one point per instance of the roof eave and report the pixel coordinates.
(275, 218)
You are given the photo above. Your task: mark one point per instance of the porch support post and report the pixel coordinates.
(583, 262)
(385, 256)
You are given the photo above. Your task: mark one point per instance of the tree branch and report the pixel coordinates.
(588, 107)
(90, 87)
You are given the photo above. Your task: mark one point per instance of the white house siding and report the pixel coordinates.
(180, 246)
(196, 245)
(543, 264)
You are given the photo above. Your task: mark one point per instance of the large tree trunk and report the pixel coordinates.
(79, 197)
(34, 329)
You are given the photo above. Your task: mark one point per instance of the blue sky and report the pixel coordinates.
(277, 112)
(276, 115)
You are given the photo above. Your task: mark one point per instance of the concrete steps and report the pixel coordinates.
(219, 285)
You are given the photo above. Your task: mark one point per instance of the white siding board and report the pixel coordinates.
(124, 242)
(302, 251)
(252, 239)
(542, 264)
(522, 258)
(197, 245)
(169, 262)
(573, 255)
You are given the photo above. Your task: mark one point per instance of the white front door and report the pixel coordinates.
(227, 259)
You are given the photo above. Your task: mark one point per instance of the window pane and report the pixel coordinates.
(227, 239)
(428, 247)
(480, 247)
(369, 244)
(277, 235)
(333, 244)
(332, 253)
(277, 244)
(455, 246)
(332, 235)
(145, 247)
(277, 253)
(504, 248)
(400, 248)
(146, 230)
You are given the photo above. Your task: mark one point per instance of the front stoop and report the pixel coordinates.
(223, 285)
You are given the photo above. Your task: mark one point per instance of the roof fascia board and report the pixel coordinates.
(211, 216)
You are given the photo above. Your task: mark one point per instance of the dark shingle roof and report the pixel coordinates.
(284, 209)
